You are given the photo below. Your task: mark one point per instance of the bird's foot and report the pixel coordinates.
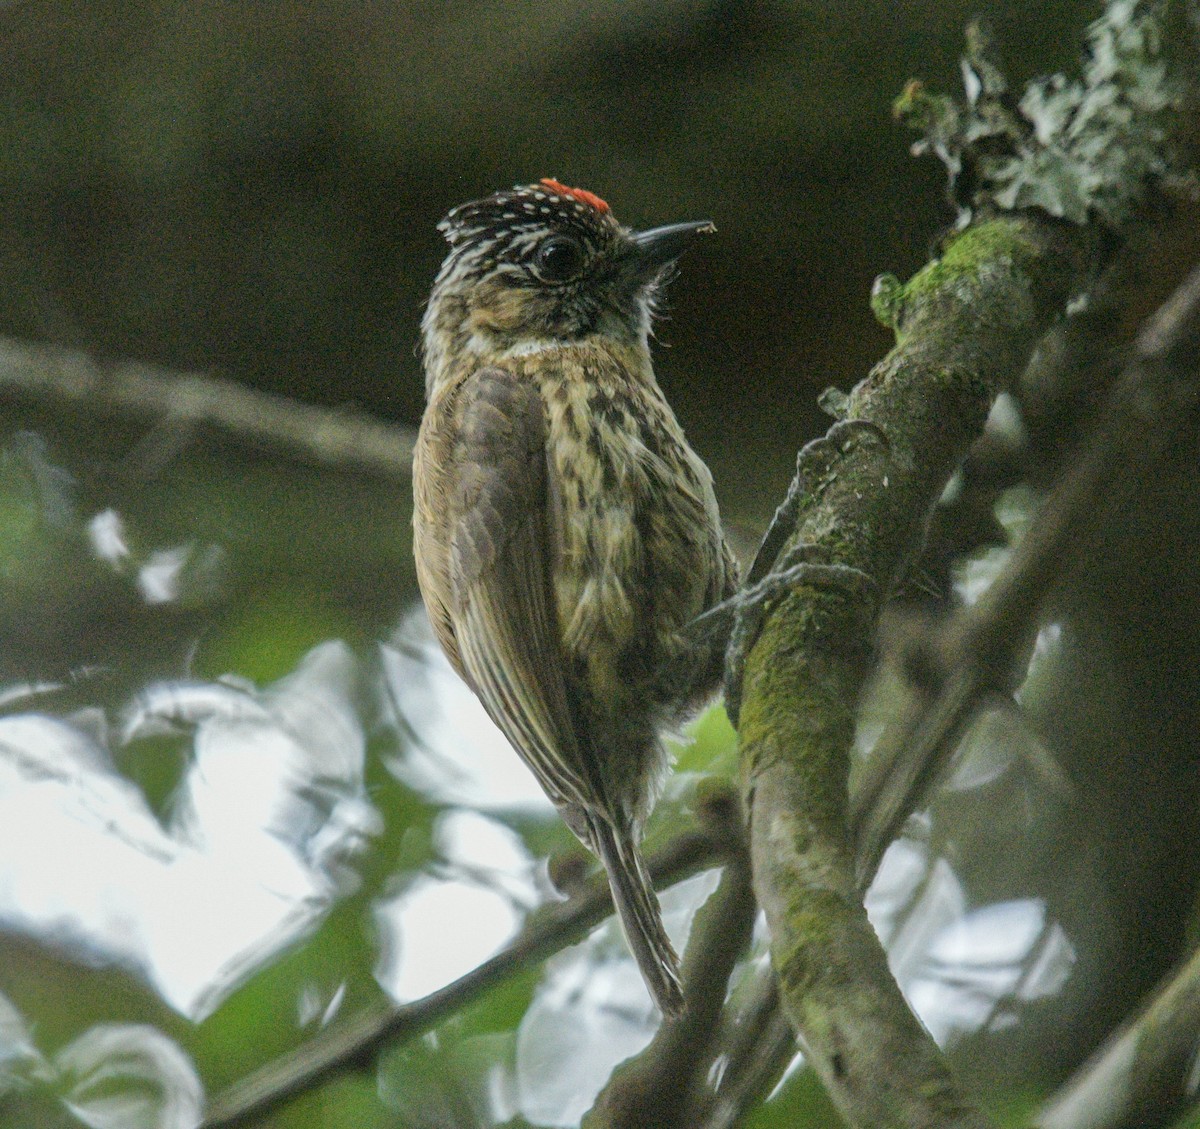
(726, 632)
(813, 462)
(802, 564)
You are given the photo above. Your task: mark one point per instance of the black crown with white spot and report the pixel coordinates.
(508, 225)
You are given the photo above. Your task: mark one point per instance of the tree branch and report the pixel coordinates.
(663, 1084)
(977, 651)
(969, 323)
(1146, 1073)
(184, 401)
(359, 1038)
(758, 1050)
(966, 327)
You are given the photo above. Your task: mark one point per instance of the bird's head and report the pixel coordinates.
(540, 266)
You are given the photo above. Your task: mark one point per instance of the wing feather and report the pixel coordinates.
(501, 583)
(491, 556)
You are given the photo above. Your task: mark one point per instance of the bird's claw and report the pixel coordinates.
(772, 575)
(817, 455)
(801, 564)
(812, 463)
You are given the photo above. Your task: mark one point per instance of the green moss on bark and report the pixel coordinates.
(966, 325)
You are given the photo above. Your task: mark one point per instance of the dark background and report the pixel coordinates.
(253, 189)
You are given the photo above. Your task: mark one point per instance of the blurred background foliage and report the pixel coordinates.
(252, 189)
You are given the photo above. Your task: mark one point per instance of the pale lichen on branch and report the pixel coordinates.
(1074, 148)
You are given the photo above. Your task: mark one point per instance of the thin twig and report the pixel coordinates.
(360, 1037)
(157, 396)
(745, 1030)
(760, 1049)
(906, 762)
(773, 1054)
(1145, 1074)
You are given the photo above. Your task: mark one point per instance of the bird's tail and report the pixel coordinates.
(639, 913)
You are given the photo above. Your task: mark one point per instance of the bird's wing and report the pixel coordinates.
(501, 588)
(502, 544)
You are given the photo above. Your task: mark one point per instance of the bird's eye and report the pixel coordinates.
(558, 259)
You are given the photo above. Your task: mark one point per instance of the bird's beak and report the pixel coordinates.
(655, 248)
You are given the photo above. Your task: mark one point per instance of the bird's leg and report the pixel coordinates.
(801, 564)
(725, 633)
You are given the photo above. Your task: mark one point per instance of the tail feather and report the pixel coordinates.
(639, 914)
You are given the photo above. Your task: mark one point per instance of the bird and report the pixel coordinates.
(565, 533)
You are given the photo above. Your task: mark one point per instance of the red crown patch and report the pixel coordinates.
(580, 194)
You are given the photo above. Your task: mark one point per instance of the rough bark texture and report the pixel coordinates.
(965, 327)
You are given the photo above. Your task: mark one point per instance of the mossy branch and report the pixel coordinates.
(966, 327)
(975, 653)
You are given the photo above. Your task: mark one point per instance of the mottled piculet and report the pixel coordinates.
(565, 532)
